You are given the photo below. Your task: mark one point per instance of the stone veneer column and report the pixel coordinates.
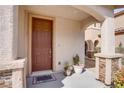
(8, 32)
(16, 76)
(107, 62)
(8, 46)
(106, 66)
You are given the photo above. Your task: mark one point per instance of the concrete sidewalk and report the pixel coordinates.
(83, 80)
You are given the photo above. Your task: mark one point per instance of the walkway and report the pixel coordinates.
(84, 80)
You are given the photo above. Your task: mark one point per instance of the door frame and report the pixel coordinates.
(30, 16)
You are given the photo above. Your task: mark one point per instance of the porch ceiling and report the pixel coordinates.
(65, 11)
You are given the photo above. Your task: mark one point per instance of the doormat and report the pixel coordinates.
(43, 79)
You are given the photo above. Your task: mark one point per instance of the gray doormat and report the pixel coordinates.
(43, 78)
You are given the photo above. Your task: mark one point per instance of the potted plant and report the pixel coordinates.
(78, 67)
(68, 69)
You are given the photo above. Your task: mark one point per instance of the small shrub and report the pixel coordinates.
(119, 79)
(97, 50)
(76, 60)
(66, 66)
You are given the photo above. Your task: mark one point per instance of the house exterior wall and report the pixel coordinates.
(91, 28)
(68, 39)
(9, 63)
(119, 39)
(119, 21)
(92, 34)
(8, 32)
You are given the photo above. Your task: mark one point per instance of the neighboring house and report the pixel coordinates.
(39, 38)
(93, 32)
(91, 35)
(119, 28)
(119, 33)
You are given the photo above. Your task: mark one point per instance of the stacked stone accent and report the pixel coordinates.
(6, 43)
(102, 68)
(12, 74)
(107, 66)
(115, 67)
(11, 68)
(6, 79)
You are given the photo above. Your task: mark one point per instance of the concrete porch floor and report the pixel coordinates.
(83, 80)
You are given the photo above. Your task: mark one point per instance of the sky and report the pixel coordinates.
(118, 10)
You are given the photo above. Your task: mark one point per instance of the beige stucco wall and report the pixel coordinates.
(119, 39)
(8, 32)
(119, 21)
(92, 28)
(22, 34)
(92, 32)
(68, 39)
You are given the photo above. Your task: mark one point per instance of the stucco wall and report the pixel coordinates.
(22, 34)
(68, 39)
(8, 32)
(118, 39)
(119, 21)
(92, 32)
(91, 27)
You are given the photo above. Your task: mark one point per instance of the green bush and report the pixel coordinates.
(119, 79)
(97, 50)
(76, 60)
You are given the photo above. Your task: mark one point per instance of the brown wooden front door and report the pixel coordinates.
(41, 44)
